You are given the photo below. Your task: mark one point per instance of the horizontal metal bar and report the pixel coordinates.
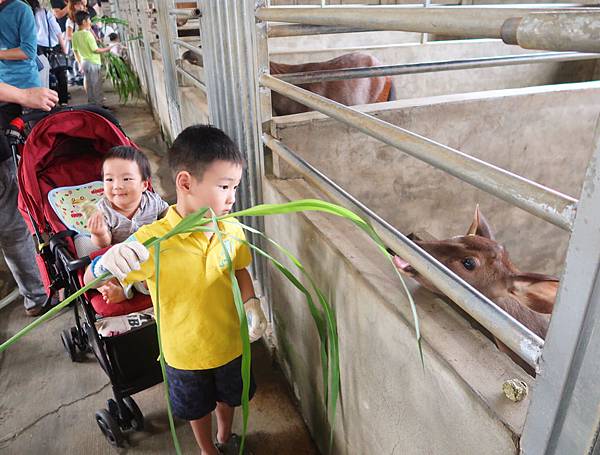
(503, 326)
(188, 46)
(430, 67)
(470, 22)
(560, 31)
(548, 204)
(188, 13)
(278, 31)
(193, 79)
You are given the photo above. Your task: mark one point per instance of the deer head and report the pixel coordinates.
(485, 264)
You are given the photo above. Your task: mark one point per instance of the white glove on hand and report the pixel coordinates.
(121, 259)
(257, 322)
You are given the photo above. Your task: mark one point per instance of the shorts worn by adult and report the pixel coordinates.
(195, 393)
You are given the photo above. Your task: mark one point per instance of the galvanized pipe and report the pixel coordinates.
(503, 326)
(188, 46)
(560, 31)
(193, 79)
(185, 13)
(548, 204)
(472, 22)
(430, 67)
(277, 31)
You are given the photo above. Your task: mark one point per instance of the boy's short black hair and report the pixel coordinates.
(125, 152)
(81, 17)
(198, 146)
(113, 36)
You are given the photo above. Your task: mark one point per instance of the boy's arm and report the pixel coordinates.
(122, 260)
(102, 50)
(245, 282)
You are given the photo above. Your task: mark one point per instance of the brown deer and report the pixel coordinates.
(483, 263)
(349, 91)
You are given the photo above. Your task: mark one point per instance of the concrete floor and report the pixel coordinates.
(47, 403)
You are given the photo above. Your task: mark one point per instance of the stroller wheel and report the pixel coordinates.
(110, 428)
(79, 340)
(137, 418)
(69, 345)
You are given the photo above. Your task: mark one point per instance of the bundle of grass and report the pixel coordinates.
(322, 314)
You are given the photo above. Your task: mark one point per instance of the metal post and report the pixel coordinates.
(148, 60)
(510, 331)
(550, 205)
(229, 45)
(276, 31)
(167, 32)
(430, 67)
(564, 415)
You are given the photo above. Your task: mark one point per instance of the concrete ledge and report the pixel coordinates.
(388, 402)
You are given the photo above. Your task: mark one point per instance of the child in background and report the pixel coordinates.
(125, 207)
(87, 53)
(200, 328)
(115, 42)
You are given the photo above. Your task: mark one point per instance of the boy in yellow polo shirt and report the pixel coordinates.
(199, 322)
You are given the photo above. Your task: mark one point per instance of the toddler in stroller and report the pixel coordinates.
(59, 172)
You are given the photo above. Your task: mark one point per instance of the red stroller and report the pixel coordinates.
(65, 148)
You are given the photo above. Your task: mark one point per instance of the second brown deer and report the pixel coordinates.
(485, 264)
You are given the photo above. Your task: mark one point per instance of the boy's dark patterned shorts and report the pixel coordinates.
(195, 393)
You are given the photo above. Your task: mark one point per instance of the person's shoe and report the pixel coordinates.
(35, 311)
(232, 446)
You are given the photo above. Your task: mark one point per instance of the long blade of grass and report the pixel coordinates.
(161, 356)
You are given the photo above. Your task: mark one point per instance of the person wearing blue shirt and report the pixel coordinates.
(18, 45)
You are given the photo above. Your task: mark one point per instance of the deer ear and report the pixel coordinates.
(480, 226)
(537, 292)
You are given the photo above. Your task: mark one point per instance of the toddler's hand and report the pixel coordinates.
(257, 322)
(96, 224)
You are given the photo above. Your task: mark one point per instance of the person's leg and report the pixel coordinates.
(225, 415)
(44, 73)
(192, 397)
(87, 82)
(229, 388)
(63, 89)
(99, 91)
(16, 242)
(202, 429)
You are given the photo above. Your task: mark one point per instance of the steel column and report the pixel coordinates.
(167, 32)
(564, 414)
(229, 47)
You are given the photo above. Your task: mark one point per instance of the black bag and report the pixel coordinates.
(58, 60)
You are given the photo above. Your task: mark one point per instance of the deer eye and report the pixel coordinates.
(469, 263)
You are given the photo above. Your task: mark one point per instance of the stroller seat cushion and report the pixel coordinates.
(116, 325)
(69, 203)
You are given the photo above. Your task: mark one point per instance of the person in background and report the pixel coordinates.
(87, 53)
(50, 41)
(18, 50)
(117, 48)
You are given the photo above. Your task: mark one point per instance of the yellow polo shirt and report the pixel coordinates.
(200, 327)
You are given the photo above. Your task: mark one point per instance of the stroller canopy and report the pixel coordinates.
(63, 149)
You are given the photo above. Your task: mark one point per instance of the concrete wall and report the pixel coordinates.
(461, 81)
(389, 404)
(543, 133)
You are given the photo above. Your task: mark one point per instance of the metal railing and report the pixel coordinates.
(571, 29)
(510, 331)
(430, 67)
